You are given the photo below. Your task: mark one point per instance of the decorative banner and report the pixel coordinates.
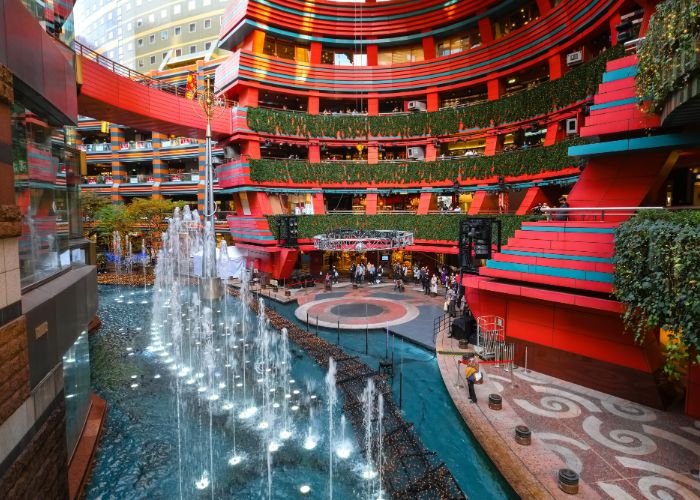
(104, 127)
(191, 86)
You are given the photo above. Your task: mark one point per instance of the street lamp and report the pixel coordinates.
(211, 106)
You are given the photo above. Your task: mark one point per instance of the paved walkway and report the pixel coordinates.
(621, 450)
(408, 314)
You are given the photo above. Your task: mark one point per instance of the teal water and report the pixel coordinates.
(138, 458)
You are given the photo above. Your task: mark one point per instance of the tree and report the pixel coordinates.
(150, 215)
(110, 218)
(90, 204)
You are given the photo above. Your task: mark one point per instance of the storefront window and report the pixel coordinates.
(76, 386)
(47, 191)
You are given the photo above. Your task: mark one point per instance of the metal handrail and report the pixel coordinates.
(594, 211)
(135, 76)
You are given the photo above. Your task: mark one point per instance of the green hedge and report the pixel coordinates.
(657, 275)
(526, 161)
(425, 227)
(669, 57)
(577, 85)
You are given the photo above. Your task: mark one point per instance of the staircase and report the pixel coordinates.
(575, 255)
(615, 107)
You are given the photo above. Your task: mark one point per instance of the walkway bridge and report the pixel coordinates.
(114, 93)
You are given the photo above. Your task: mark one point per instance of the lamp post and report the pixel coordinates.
(210, 105)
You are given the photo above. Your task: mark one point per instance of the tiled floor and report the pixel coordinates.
(622, 450)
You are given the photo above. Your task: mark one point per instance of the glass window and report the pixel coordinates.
(193, 27)
(164, 35)
(151, 39)
(207, 46)
(515, 19)
(193, 49)
(153, 59)
(177, 9)
(207, 23)
(47, 191)
(178, 29)
(178, 52)
(76, 386)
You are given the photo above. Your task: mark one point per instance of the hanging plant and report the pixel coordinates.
(577, 85)
(657, 276)
(511, 164)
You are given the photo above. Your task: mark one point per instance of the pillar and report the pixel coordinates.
(313, 105)
(257, 41)
(533, 196)
(544, 7)
(315, 53)
(373, 106)
(432, 100)
(251, 149)
(314, 153)
(430, 152)
(424, 203)
(614, 21)
(495, 89)
(372, 55)
(554, 133)
(318, 204)
(371, 205)
(160, 171)
(373, 154)
(557, 66)
(485, 29)
(428, 47)
(119, 175)
(248, 96)
(494, 144)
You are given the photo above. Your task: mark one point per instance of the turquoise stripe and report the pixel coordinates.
(642, 143)
(582, 258)
(613, 104)
(557, 272)
(562, 229)
(619, 74)
(252, 236)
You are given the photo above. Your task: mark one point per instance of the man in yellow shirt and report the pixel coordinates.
(470, 372)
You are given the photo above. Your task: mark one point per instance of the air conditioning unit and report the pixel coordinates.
(416, 153)
(416, 106)
(571, 126)
(575, 58)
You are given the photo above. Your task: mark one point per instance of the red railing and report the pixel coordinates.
(135, 76)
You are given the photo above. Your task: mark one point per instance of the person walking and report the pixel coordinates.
(470, 372)
(451, 300)
(434, 285)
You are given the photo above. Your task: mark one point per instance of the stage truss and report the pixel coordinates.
(362, 240)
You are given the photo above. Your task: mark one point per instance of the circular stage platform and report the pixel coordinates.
(357, 310)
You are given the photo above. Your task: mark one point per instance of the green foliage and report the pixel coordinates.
(511, 164)
(111, 218)
(91, 203)
(442, 227)
(670, 54)
(657, 275)
(577, 85)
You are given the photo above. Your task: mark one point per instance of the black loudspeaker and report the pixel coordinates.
(475, 239)
(288, 231)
